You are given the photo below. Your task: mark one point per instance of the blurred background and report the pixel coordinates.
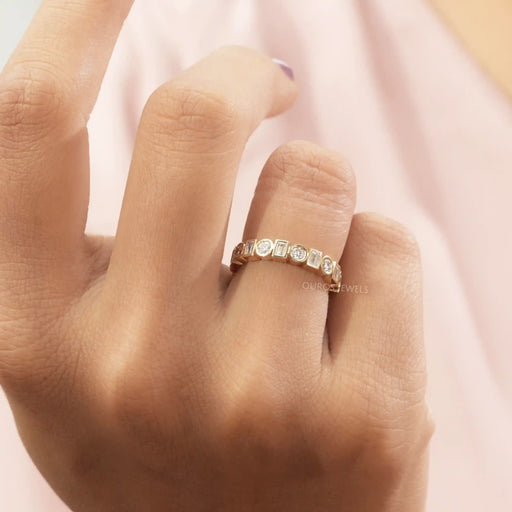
(385, 83)
(15, 15)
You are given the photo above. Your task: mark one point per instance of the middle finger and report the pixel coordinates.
(189, 144)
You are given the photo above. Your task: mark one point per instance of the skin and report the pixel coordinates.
(141, 374)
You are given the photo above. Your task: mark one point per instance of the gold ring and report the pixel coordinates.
(286, 252)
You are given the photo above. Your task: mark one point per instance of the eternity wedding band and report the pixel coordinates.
(286, 252)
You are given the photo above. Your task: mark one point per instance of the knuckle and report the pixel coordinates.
(394, 444)
(139, 387)
(29, 102)
(383, 233)
(132, 395)
(311, 173)
(382, 448)
(383, 430)
(259, 416)
(136, 395)
(427, 434)
(29, 368)
(427, 429)
(382, 394)
(135, 409)
(348, 435)
(192, 115)
(132, 407)
(387, 450)
(12, 364)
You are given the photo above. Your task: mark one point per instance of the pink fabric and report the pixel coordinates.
(430, 138)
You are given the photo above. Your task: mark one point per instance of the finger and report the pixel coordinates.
(306, 195)
(190, 141)
(67, 47)
(47, 91)
(375, 324)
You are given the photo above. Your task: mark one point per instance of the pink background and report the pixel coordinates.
(430, 138)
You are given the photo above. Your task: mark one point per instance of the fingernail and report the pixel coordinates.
(287, 70)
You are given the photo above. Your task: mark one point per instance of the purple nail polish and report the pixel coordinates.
(287, 70)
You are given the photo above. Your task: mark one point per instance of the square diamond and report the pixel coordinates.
(280, 249)
(249, 248)
(315, 258)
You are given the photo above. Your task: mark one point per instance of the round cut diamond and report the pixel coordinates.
(327, 266)
(264, 247)
(298, 253)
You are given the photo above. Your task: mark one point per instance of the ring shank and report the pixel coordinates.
(286, 252)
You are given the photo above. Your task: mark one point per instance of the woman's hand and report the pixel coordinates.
(141, 375)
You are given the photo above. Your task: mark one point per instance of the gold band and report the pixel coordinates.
(286, 252)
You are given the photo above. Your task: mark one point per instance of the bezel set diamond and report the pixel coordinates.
(264, 248)
(286, 252)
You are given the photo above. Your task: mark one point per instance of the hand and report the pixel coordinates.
(142, 376)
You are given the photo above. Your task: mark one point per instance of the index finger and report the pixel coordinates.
(47, 91)
(68, 46)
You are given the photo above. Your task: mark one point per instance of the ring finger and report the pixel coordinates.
(305, 195)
